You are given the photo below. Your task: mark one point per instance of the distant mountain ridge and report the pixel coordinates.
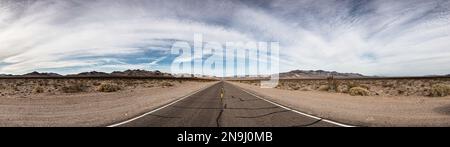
(139, 73)
(318, 74)
(5, 75)
(131, 73)
(295, 74)
(90, 74)
(37, 74)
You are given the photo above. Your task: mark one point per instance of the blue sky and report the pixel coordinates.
(372, 37)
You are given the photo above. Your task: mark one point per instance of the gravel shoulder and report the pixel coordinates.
(363, 110)
(89, 109)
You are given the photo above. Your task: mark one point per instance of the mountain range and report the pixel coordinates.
(301, 74)
(131, 73)
(295, 74)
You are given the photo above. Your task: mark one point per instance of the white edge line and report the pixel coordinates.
(293, 110)
(167, 105)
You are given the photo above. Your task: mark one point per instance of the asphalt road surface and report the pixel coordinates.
(225, 105)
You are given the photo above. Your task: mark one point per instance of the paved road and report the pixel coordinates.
(225, 105)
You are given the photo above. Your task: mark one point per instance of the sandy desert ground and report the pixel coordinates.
(422, 86)
(67, 103)
(362, 110)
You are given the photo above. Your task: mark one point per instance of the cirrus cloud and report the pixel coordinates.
(374, 37)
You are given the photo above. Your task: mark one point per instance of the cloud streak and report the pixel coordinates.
(379, 37)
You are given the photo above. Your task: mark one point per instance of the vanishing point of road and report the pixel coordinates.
(224, 105)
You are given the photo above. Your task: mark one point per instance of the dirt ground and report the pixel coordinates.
(363, 110)
(88, 108)
(375, 87)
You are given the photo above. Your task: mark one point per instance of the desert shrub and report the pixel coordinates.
(401, 91)
(108, 88)
(332, 83)
(356, 84)
(293, 86)
(74, 88)
(352, 84)
(43, 82)
(130, 83)
(365, 86)
(440, 90)
(323, 88)
(119, 82)
(358, 91)
(167, 84)
(96, 84)
(385, 85)
(278, 86)
(343, 88)
(305, 89)
(38, 89)
(20, 83)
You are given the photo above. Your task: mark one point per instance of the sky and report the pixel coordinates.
(371, 37)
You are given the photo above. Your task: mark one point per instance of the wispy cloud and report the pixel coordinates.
(375, 37)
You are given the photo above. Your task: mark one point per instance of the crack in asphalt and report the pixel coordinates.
(219, 116)
(271, 113)
(242, 100)
(310, 124)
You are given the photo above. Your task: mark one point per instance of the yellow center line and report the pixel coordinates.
(221, 93)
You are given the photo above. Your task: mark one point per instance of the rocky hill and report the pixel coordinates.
(295, 74)
(5, 75)
(91, 74)
(139, 73)
(37, 74)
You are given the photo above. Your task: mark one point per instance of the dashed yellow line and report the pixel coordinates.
(221, 93)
